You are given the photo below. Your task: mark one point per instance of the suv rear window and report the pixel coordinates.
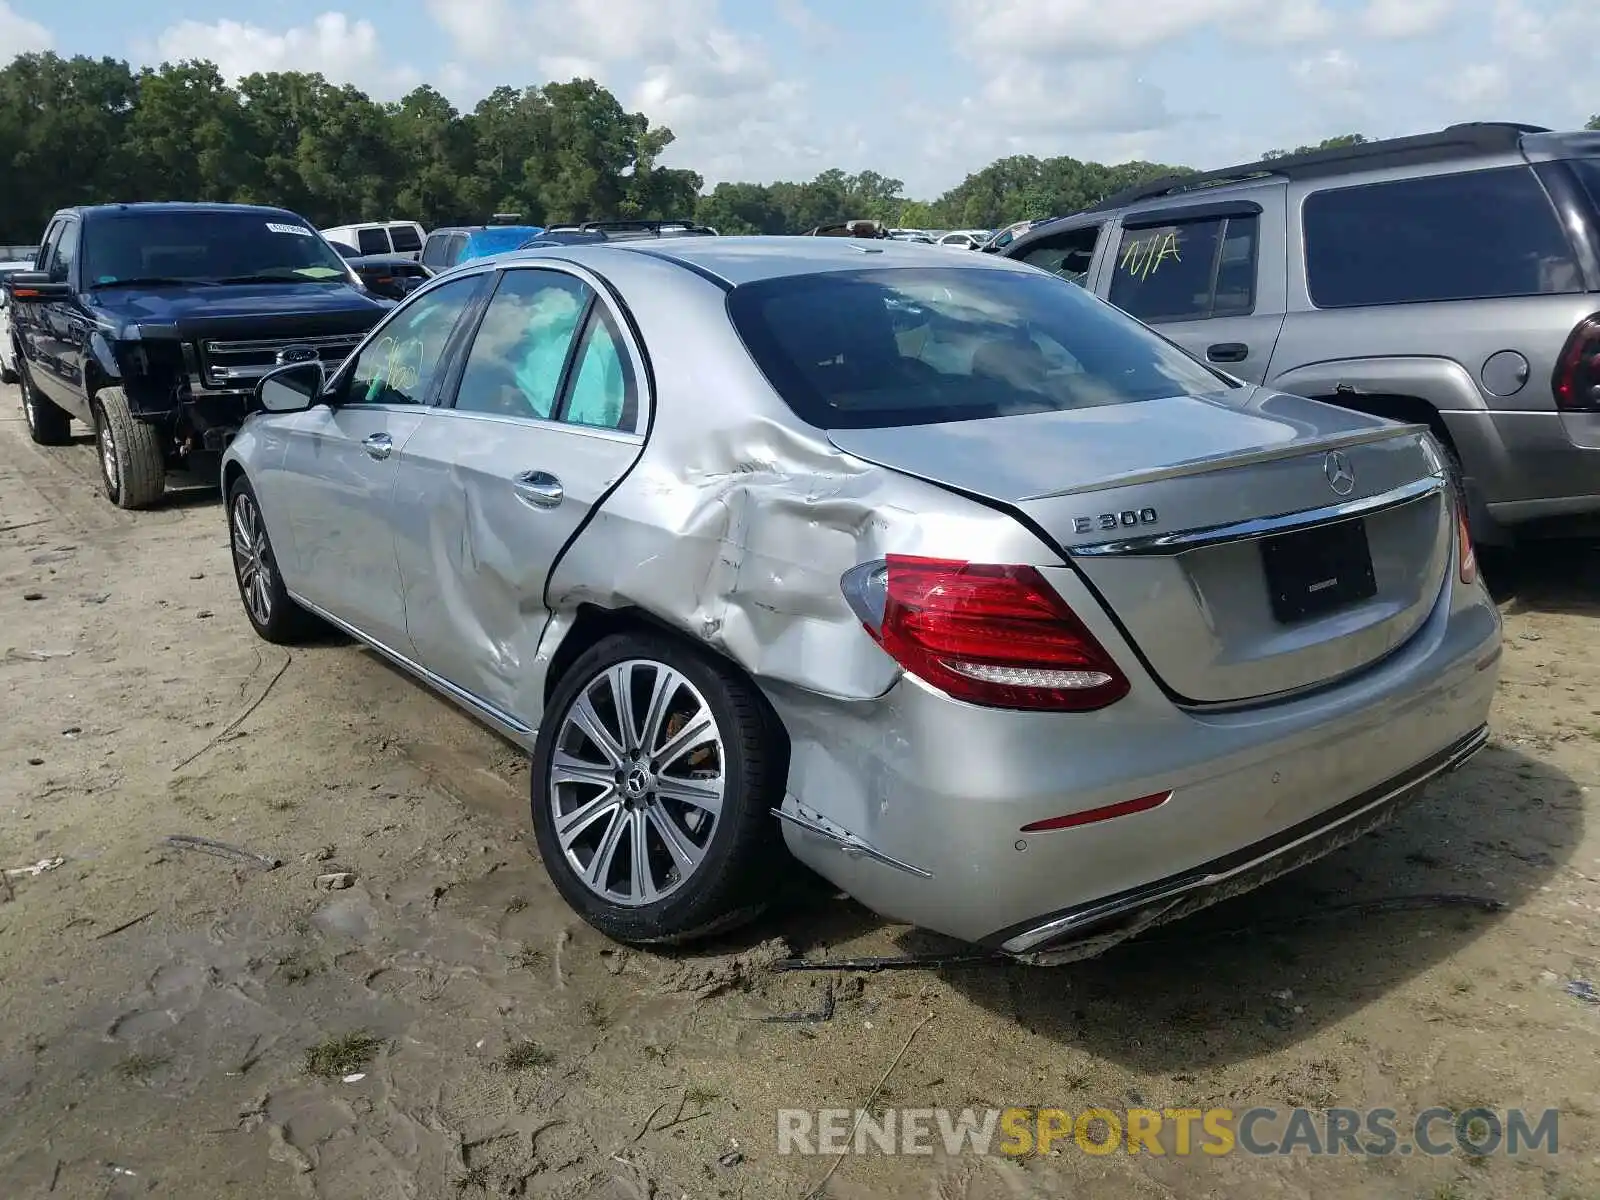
(405, 239)
(888, 347)
(372, 241)
(1468, 236)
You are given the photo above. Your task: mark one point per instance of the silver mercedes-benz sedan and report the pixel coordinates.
(938, 575)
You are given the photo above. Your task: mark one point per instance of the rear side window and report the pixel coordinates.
(405, 239)
(1469, 236)
(454, 248)
(372, 241)
(1187, 271)
(889, 347)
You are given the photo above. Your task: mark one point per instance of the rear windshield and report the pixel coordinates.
(910, 346)
(405, 239)
(200, 246)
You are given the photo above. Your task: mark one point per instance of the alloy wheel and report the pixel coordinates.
(108, 454)
(251, 561)
(637, 782)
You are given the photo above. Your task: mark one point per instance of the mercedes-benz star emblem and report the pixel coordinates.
(296, 354)
(1341, 475)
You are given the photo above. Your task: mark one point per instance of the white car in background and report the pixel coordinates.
(965, 239)
(8, 348)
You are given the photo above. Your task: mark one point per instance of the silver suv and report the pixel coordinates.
(1447, 279)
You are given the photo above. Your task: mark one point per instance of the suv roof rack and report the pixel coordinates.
(641, 226)
(1454, 141)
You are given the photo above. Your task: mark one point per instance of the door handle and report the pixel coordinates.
(379, 445)
(1228, 352)
(538, 488)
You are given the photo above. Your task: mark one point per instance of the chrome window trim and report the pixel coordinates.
(1261, 527)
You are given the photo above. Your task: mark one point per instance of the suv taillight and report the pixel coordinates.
(1576, 382)
(984, 633)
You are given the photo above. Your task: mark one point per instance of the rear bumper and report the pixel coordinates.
(1088, 929)
(1530, 466)
(915, 804)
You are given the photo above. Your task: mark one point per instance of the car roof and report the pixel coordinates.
(733, 261)
(175, 206)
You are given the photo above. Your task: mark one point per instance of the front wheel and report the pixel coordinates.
(272, 611)
(133, 464)
(654, 778)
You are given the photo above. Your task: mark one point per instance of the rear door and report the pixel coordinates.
(1209, 276)
(547, 417)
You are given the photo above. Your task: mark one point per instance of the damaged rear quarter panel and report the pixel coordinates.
(738, 520)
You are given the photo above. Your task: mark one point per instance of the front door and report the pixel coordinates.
(1199, 283)
(340, 463)
(545, 420)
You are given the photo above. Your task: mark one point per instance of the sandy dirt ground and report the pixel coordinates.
(166, 1012)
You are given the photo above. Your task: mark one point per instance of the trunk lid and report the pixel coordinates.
(1249, 544)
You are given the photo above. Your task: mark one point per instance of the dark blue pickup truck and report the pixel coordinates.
(151, 323)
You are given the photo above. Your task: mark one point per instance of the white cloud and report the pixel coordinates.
(1553, 47)
(1477, 85)
(674, 60)
(19, 35)
(1405, 18)
(343, 50)
(1084, 28)
(1332, 72)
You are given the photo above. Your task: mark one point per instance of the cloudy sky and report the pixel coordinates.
(921, 90)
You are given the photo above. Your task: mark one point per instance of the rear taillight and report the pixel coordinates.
(984, 633)
(1464, 552)
(1576, 382)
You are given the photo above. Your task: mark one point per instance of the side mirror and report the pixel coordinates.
(292, 388)
(36, 287)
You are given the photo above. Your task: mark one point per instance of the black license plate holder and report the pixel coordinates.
(1313, 572)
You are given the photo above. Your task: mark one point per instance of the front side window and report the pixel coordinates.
(433, 250)
(519, 355)
(888, 347)
(1468, 236)
(399, 363)
(1068, 255)
(198, 245)
(1187, 271)
(66, 250)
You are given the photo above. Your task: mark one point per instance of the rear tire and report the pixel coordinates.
(133, 462)
(648, 799)
(48, 425)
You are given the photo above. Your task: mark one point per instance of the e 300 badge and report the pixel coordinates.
(1128, 518)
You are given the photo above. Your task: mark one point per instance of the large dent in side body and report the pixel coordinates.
(736, 527)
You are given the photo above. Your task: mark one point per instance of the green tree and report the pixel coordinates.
(1594, 123)
(1334, 143)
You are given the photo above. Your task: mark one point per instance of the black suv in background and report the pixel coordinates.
(152, 322)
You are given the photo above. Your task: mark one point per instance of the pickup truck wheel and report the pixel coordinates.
(272, 612)
(654, 778)
(47, 424)
(132, 461)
